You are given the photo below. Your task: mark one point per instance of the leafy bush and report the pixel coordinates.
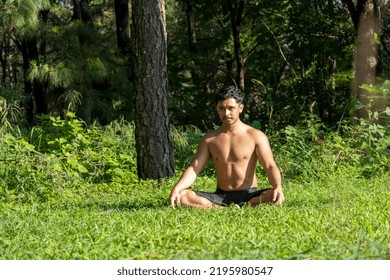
(62, 157)
(310, 149)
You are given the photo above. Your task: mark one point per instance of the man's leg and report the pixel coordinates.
(264, 197)
(188, 198)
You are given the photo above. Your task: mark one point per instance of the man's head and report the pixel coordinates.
(230, 91)
(229, 104)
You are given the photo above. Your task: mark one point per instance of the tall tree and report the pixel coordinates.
(236, 13)
(82, 14)
(366, 19)
(122, 19)
(26, 20)
(191, 26)
(153, 139)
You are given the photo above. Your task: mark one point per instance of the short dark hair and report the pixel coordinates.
(230, 91)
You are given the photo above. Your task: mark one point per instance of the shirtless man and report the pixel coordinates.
(235, 149)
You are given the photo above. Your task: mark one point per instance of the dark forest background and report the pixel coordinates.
(292, 58)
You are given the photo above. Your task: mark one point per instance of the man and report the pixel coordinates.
(235, 149)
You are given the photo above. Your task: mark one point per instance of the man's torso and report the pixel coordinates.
(234, 158)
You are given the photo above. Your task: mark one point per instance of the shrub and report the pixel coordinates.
(311, 149)
(61, 157)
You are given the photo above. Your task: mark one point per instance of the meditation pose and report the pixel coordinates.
(234, 148)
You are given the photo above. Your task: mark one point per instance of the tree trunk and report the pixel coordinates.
(4, 51)
(366, 19)
(34, 90)
(191, 27)
(28, 88)
(367, 60)
(192, 42)
(76, 10)
(122, 18)
(153, 139)
(81, 12)
(86, 16)
(122, 26)
(236, 18)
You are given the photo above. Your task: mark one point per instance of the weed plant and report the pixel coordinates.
(69, 192)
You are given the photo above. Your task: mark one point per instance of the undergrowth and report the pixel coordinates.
(71, 192)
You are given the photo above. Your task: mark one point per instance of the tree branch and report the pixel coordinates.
(353, 12)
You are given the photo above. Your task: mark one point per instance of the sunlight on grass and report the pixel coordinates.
(324, 220)
(83, 200)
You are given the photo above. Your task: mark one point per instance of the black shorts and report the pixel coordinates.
(224, 198)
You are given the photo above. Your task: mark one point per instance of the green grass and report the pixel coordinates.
(69, 193)
(341, 217)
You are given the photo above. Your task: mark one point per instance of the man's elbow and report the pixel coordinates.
(271, 167)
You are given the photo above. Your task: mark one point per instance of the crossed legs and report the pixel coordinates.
(188, 198)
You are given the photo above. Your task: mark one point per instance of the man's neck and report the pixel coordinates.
(232, 128)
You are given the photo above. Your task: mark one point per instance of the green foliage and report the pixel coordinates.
(185, 142)
(311, 149)
(71, 192)
(22, 15)
(10, 109)
(61, 158)
(78, 64)
(298, 58)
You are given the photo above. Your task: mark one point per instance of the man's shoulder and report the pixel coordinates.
(254, 131)
(257, 135)
(210, 134)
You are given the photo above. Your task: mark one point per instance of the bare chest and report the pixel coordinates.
(232, 149)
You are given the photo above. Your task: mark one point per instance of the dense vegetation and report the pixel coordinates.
(71, 193)
(69, 187)
(289, 57)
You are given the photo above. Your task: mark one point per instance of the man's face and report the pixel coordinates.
(229, 110)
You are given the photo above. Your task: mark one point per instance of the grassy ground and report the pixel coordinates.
(71, 193)
(341, 217)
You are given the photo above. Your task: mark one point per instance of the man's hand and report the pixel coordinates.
(174, 198)
(278, 196)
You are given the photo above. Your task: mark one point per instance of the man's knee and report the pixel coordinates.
(264, 197)
(185, 197)
(189, 198)
(183, 193)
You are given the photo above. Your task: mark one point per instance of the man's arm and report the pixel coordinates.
(266, 158)
(189, 175)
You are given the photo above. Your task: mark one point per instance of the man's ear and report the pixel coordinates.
(241, 107)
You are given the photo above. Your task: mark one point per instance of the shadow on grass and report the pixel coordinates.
(121, 205)
(311, 202)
